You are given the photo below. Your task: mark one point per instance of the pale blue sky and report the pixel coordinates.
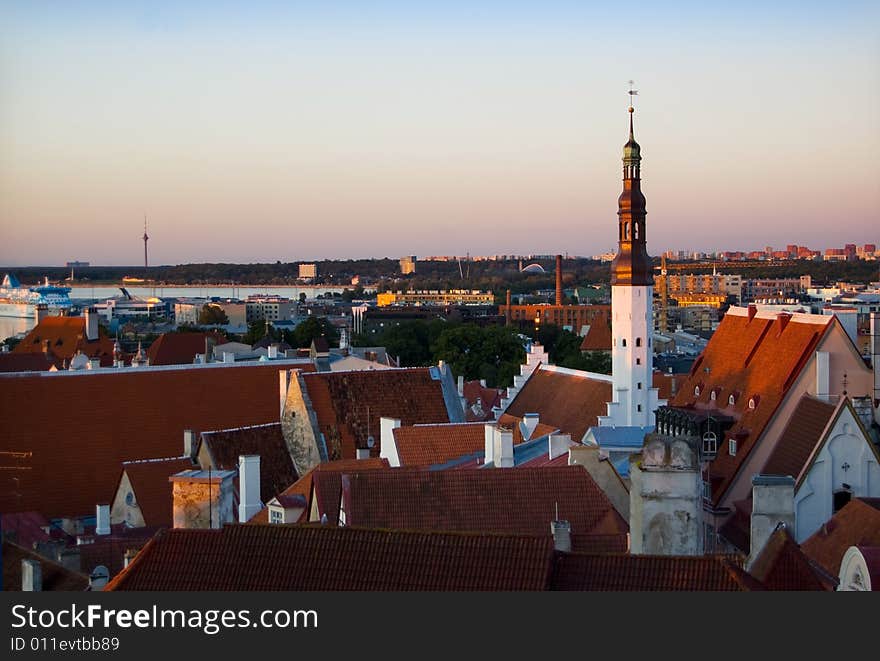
(275, 130)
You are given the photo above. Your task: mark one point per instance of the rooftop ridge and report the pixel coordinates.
(155, 460)
(155, 368)
(801, 317)
(245, 428)
(573, 372)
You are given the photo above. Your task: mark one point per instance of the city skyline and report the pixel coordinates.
(266, 132)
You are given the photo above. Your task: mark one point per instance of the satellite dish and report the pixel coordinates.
(370, 441)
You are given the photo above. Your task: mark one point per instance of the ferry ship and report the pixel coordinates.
(18, 301)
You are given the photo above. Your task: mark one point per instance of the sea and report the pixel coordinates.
(11, 326)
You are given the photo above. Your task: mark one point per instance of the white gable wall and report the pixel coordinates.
(846, 457)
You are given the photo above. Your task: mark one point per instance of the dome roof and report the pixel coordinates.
(533, 268)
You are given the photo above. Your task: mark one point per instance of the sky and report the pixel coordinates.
(262, 131)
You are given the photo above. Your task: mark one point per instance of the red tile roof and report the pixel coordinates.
(494, 500)
(800, 437)
(24, 528)
(303, 486)
(429, 445)
(327, 558)
(28, 362)
(276, 466)
(489, 398)
(750, 358)
(624, 572)
(598, 338)
(149, 483)
(81, 426)
(856, 524)
(564, 399)
(782, 565)
(109, 550)
(66, 336)
(180, 348)
(348, 405)
(55, 576)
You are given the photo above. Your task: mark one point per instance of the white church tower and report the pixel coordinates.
(634, 400)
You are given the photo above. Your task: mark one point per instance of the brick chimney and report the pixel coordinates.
(558, 279)
(561, 531)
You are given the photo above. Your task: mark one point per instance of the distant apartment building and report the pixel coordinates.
(773, 288)
(188, 310)
(270, 308)
(576, 318)
(408, 265)
(308, 271)
(435, 297)
(681, 287)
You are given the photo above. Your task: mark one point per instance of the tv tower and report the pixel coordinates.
(146, 238)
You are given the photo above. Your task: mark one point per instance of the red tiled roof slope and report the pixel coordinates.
(81, 427)
(276, 466)
(327, 558)
(149, 482)
(782, 565)
(28, 362)
(180, 348)
(748, 358)
(348, 405)
(567, 402)
(598, 338)
(66, 336)
(624, 572)
(428, 445)
(517, 501)
(800, 437)
(55, 577)
(856, 524)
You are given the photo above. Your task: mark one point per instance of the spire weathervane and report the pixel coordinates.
(632, 93)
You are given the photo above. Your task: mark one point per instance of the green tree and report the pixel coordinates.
(493, 353)
(212, 314)
(308, 330)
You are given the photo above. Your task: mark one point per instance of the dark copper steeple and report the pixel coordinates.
(631, 266)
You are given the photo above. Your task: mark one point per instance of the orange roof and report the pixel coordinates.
(429, 445)
(782, 565)
(66, 336)
(348, 405)
(80, 426)
(489, 398)
(149, 483)
(800, 437)
(180, 348)
(856, 524)
(566, 400)
(598, 338)
(750, 358)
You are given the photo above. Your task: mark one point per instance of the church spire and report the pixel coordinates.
(631, 266)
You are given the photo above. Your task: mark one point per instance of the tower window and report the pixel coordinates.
(639, 408)
(639, 385)
(623, 342)
(731, 400)
(638, 341)
(638, 361)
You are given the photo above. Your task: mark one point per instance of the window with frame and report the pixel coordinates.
(276, 516)
(731, 447)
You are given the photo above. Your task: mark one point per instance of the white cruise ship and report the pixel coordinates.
(19, 301)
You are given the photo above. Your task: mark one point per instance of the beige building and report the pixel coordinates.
(408, 265)
(436, 297)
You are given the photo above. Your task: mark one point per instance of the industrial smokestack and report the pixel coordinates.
(558, 279)
(507, 311)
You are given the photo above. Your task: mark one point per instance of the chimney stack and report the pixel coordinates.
(558, 279)
(561, 531)
(202, 498)
(248, 487)
(31, 576)
(91, 324)
(273, 351)
(189, 443)
(772, 504)
(102, 519)
(363, 453)
(823, 375)
(41, 311)
(499, 446)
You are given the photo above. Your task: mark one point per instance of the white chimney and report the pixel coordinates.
(772, 504)
(561, 531)
(91, 323)
(228, 357)
(94, 363)
(189, 443)
(875, 352)
(248, 487)
(558, 445)
(102, 519)
(273, 351)
(530, 423)
(363, 453)
(31, 576)
(387, 446)
(823, 375)
(499, 446)
(461, 385)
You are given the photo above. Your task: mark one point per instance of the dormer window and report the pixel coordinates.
(712, 395)
(696, 391)
(752, 404)
(731, 400)
(731, 447)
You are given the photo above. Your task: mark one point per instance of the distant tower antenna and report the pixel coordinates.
(146, 238)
